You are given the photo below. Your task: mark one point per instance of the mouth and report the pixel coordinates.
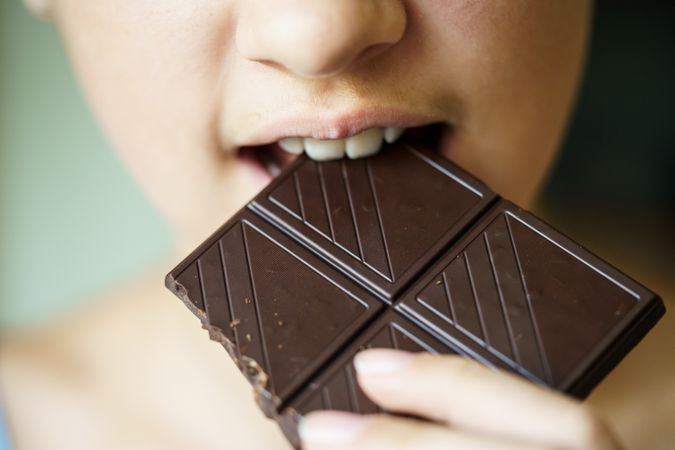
(273, 157)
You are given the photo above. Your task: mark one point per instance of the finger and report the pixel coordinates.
(326, 430)
(470, 396)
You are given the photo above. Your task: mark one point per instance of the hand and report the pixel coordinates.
(471, 407)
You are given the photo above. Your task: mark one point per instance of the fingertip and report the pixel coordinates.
(381, 361)
(331, 428)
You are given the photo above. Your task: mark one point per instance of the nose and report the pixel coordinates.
(317, 38)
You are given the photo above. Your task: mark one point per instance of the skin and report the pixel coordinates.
(476, 408)
(178, 85)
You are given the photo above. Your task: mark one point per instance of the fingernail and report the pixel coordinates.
(381, 361)
(331, 428)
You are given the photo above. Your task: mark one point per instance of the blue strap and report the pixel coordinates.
(4, 438)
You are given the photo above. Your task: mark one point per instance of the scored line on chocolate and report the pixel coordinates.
(324, 197)
(594, 268)
(350, 207)
(256, 308)
(530, 313)
(228, 293)
(385, 246)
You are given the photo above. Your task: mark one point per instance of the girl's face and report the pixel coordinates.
(180, 86)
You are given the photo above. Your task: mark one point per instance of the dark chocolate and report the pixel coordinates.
(379, 219)
(280, 310)
(335, 387)
(515, 290)
(402, 250)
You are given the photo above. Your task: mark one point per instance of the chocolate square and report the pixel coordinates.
(261, 295)
(378, 219)
(516, 290)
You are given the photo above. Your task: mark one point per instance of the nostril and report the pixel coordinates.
(328, 64)
(270, 63)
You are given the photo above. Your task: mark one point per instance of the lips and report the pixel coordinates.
(272, 145)
(274, 157)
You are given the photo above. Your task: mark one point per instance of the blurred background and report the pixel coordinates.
(614, 185)
(73, 224)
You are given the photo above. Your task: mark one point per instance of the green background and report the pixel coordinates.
(71, 220)
(73, 223)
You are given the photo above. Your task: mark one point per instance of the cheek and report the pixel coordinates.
(143, 67)
(151, 72)
(513, 67)
(498, 50)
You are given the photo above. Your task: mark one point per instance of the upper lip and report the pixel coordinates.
(333, 125)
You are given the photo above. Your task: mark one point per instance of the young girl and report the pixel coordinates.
(205, 100)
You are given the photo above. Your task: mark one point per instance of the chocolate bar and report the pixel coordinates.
(402, 250)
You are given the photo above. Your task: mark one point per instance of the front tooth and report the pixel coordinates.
(391, 134)
(292, 145)
(365, 143)
(323, 150)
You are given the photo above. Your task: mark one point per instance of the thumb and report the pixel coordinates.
(471, 397)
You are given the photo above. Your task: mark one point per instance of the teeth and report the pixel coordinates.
(321, 150)
(364, 144)
(293, 145)
(391, 134)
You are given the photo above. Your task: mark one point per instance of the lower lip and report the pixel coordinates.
(266, 162)
(259, 172)
(445, 144)
(261, 175)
